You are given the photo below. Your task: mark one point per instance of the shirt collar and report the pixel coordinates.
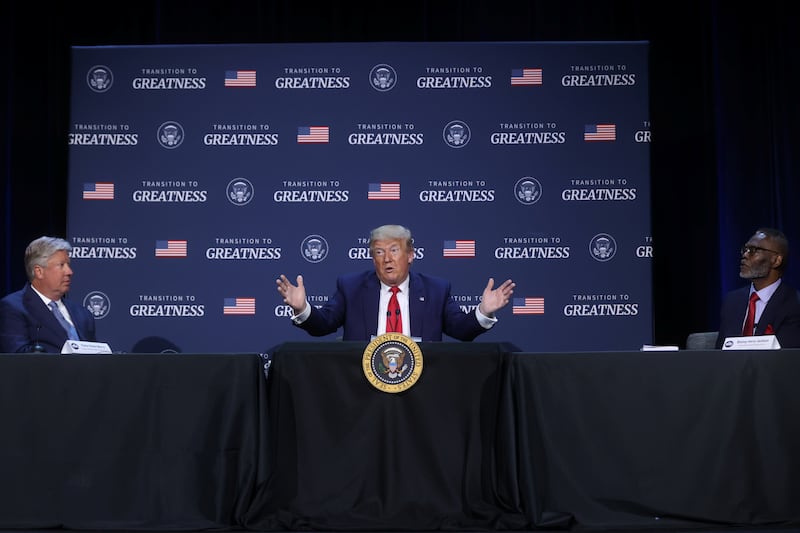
(766, 293)
(44, 298)
(403, 286)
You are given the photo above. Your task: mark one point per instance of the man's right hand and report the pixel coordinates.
(293, 295)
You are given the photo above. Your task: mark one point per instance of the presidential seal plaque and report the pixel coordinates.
(392, 362)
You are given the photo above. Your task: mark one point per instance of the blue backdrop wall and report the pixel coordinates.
(198, 174)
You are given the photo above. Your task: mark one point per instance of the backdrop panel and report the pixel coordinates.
(200, 173)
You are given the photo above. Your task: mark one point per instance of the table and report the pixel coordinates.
(488, 438)
(651, 439)
(130, 441)
(347, 456)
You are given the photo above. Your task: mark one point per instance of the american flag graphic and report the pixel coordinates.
(170, 248)
(526, 76)
(239, 306)
(527, 306)
(459, 249)
(600, 132)
(240, 78)
(98, 191)
(312, 134)
(383, 191)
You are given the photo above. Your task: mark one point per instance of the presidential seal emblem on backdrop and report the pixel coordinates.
(392, 362)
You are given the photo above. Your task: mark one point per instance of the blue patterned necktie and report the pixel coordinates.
(72, 333)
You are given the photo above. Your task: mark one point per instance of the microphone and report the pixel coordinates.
(37, 348)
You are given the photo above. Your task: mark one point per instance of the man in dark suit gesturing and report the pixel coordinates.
(28, 320)
(776, 305)
(362, 303)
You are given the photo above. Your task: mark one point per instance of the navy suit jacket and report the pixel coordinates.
(354, 306)
(25, 320)
(781, 315)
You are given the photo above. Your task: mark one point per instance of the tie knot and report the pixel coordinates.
(53, 305)
(394, 290)
(754, 296)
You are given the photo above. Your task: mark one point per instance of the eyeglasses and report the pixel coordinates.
(752, 250)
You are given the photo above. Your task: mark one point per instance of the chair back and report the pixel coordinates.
(702, 340)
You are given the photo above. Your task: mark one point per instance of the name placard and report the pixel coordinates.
(756, 342)
(85, 347)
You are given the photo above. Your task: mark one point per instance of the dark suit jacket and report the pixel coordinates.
(355, 307)
(26, 320)
(781, 315)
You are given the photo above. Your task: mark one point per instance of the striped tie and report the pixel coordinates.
(72, 333)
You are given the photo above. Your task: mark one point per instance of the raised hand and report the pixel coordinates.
(494, 299)
(293, 295)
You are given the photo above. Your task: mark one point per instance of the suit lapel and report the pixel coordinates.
(416, 305)
(51, 328)
(370, 298)
(771, 310)
(39, 311)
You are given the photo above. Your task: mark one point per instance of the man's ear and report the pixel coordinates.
(777, 261)
(38, 271)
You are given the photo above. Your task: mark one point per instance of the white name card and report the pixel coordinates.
(756, 342)
(658, 348)
(85, 347)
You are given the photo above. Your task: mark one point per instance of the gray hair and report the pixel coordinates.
(41, 250)
(390, 232)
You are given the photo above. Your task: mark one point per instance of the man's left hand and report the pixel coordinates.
(494, 299)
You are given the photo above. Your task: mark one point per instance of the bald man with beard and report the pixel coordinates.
(777, 310)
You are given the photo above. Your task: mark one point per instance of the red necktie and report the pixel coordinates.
(394, 322)
(751, 316)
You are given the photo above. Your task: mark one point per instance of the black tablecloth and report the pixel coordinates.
(347, 456)
(657, 439)
(486, 439)
(130, 441)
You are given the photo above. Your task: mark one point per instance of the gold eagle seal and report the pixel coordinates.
(392, 362)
